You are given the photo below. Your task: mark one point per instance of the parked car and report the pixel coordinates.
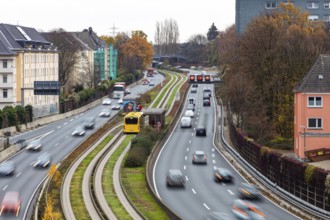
(223, 175)
(105, 113)
(43, 160)
(7, 168)
(244, 210)
(11, 203)
(200, 130)
(106, 101)
(249, 191)
(174, 177)
(199, 157)
(186, 122)
(89, 122)
(78, 131)
(34, 145)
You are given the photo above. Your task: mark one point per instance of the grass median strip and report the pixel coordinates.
(134, 184)
(107, 183)
(76, 196)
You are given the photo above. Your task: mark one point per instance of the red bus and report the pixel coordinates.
(150, 72)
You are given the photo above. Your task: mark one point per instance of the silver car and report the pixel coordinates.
(43, 160)
(105, 113)
(34, 145)
(78, 131)
(199, 157)
(7, 168)
(174, 178)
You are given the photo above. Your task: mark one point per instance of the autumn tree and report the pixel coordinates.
(273, 55)
(137, 51)
(108, 39)
(120, 40)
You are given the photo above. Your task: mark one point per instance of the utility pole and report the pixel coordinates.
(113, 30)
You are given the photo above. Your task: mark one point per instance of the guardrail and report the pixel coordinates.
(273, 187)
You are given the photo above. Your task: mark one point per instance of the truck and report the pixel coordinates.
(119, 90)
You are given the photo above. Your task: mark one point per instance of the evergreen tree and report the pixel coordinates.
(212, 33)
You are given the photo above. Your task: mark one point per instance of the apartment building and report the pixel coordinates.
(246, 10)
(311, 111)
(25, 57)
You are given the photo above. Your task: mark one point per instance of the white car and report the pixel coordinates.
(105, 113)
(120, 101)
(189, 113)
(106, 101)
(186, 122)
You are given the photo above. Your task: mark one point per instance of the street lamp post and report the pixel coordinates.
(304, 140)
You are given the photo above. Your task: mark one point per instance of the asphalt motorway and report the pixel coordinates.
(58, 142)
(201, 194)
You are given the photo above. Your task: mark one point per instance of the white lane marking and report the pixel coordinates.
(213, 161)
(65, 123)
(71, 119)
(187, 148)
(224, 184)
(193, 191)
(192, 134)
(213, 155)
(213, 149)
(230, 192)
(81, 113)
(187, 178)
(184, 167)
(214, 167)
(32, 163)
(185, 158)
(56, 144)
(4, 188)
(206, 206)
(67, 137)
(59, 127)
(195, 123)
(18, 174)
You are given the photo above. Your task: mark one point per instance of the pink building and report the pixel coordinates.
(312, 110)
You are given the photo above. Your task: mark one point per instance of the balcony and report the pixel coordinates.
(8, 85)
(8, 100)
(7, 70)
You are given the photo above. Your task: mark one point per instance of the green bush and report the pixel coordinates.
(142, 141)
(281, 143)
(136, 157)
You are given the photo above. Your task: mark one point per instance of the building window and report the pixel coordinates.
(312, 5)
(326, 18)
(5, 93)
(4, 64)
(315, 123)
(314, 101)
(270, 5)
(313, 17)
(327, 5)
(4, 78)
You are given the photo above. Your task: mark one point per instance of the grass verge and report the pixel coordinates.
(76, 196)
(107, 183)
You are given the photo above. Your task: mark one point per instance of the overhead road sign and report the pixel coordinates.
(203, 78)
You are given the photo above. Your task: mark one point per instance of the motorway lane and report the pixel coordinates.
(201, 194)
(58, 142)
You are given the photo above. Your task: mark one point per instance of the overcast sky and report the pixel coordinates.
(192, 17)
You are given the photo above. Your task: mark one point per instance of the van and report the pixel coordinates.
(186, 122)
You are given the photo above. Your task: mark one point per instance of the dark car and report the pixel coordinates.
(244, 210)
(11, 203)
(193, 90)
(89, 123)
(43, 161)
(191, 100)
(206, 96)
(34, 145)
(249, 191)
(195, 85)
(78, 131)
(191, 107)
(200, 130)
(7, 168)
(199, 157)
(105, 113)
(206, 102)
(21, 143)
(175, 178)
(223, 175)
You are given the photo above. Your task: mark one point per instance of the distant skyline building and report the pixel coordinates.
(246, 10)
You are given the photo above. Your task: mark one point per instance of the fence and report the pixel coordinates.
(287, 173)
